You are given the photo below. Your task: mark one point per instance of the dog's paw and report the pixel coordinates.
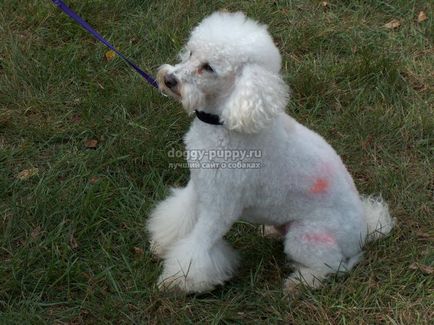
(191, 267)
(172, 283)
(180, 282)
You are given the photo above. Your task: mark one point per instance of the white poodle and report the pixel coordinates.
(229, 77)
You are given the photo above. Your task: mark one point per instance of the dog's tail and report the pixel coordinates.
(378, 218)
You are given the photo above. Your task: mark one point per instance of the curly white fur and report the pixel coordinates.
(230, 68)
(377, 216)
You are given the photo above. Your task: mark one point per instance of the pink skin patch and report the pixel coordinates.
(321, 185)
(320, 238)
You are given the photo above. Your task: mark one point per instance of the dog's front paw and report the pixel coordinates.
(192, 268)
(183, 282)
(185, 275)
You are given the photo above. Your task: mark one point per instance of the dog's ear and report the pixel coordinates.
(258, 96)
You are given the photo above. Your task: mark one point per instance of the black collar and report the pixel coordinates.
(208, 118)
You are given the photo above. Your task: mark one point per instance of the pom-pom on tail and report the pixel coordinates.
(378, 218)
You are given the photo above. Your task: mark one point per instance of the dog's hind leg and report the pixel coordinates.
(315, 253)
(172, 219)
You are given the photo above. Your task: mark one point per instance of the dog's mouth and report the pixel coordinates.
(173, 92)
(169, 92)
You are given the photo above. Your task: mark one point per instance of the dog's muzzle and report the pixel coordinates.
(171, 82)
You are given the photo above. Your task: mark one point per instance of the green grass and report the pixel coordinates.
(73, 246)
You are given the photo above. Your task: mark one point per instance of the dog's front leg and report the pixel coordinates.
(172, 219)
(203, 259)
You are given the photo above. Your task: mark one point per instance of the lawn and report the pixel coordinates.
(83, 158)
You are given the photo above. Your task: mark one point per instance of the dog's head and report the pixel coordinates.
(230, 67)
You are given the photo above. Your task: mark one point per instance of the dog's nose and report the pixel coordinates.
(170, 81)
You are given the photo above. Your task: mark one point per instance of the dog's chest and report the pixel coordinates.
(202, 136)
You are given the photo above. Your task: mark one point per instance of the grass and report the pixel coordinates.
(73, 246)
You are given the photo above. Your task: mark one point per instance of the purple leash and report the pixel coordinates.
(62, 6)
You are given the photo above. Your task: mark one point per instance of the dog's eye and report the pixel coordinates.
(207, 67)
